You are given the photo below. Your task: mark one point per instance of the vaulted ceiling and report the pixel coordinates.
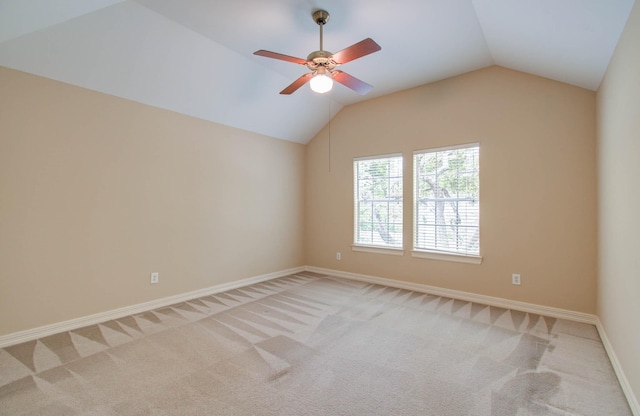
(196, 56)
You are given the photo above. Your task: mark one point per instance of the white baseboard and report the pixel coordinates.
(43, 331)
(466, 296)
(617, 367)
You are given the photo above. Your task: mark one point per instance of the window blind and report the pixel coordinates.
(446, 200)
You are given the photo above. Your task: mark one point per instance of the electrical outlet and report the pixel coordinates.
(515, 279)
(155, 276)
(338, 256)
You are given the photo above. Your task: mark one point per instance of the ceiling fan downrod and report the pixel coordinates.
(321, 17)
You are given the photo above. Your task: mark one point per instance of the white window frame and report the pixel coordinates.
(358, 244)
(435, 253)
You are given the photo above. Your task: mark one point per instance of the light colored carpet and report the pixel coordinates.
(315, 345)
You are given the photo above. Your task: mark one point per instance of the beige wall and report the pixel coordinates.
(96, 192)
(537, 184)
(619, 200)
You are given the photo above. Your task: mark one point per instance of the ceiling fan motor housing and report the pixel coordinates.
(321, 58)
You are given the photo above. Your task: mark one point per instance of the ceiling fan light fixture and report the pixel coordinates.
(321, 82)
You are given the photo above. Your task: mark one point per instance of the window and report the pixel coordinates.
(446, 200)
(378, 201)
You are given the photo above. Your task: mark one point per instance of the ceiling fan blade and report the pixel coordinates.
(275, 55)
(352, 82)
(297, 84)
(358, 50)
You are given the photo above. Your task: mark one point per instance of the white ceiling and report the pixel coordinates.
(196, 56)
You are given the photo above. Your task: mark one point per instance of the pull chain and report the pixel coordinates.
(329, 100)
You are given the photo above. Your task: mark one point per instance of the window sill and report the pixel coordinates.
(434, 255)
(379, 250)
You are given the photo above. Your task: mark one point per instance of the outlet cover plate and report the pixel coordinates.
(515, 279)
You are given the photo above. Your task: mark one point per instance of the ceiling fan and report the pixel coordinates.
(323, 63)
